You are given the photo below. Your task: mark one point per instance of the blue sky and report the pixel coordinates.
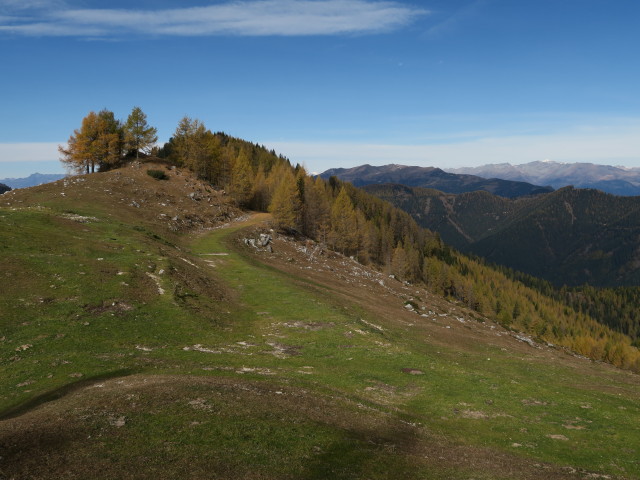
(331, 83)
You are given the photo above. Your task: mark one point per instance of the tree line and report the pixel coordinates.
(350, 221)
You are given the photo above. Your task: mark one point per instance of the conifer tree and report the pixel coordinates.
(344, 224)
(317, 209)
(285, 205)
(399, 262)
(190, 146)
(241, 179)
(259, 193)
(139, 136)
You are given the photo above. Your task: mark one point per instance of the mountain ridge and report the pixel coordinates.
(433, 177)
(32, 180)
(611, 179)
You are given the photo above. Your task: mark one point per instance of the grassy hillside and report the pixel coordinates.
(137, 342)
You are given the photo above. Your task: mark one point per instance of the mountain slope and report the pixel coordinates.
(143, 338)
(430, 177)
(571, 236)
(615, 180)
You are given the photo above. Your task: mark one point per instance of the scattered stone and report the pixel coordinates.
(573, 427)
(200, 404)
(557, 437)
(412, 371)
(529, 341)
(117, 422)
(200, 348)
(477, 415)
(79, 218)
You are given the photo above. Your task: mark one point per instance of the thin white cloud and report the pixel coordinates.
(28, 4)
(245, 18)
(28, 152)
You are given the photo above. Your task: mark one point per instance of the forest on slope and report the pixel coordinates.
(571, 236)
(374, 232)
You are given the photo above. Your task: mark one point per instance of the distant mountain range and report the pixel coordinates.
(616, 180)
(570, 236)
(32, 180)
(431, 177)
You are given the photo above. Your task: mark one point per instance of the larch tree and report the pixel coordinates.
(139, 136)
(190, 146)
(97, 144)
(317, 211)
(344, 224)
(241, 179)
(285, 205)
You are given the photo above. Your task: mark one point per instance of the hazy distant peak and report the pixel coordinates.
(32, 180)
(610, 179)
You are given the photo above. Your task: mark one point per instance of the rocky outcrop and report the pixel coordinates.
(261, 242)
(4, 188)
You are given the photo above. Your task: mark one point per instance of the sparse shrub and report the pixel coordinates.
(157, 174)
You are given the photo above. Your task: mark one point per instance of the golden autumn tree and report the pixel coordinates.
(242, 179)
(189, 146)
(285, 205)
(344, 224)
(317, 211)
(97, 144)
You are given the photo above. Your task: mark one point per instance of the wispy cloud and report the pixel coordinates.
(28, 152)
(458, 18)
(243, 18)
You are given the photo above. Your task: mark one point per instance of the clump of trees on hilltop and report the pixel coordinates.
(356, 224)
(103, 142)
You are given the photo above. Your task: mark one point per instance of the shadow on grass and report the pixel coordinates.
(369, 454)
(60, 392)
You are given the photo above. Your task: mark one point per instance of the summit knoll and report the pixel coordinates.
(146, 334)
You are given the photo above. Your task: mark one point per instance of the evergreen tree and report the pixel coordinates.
(139, 136)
